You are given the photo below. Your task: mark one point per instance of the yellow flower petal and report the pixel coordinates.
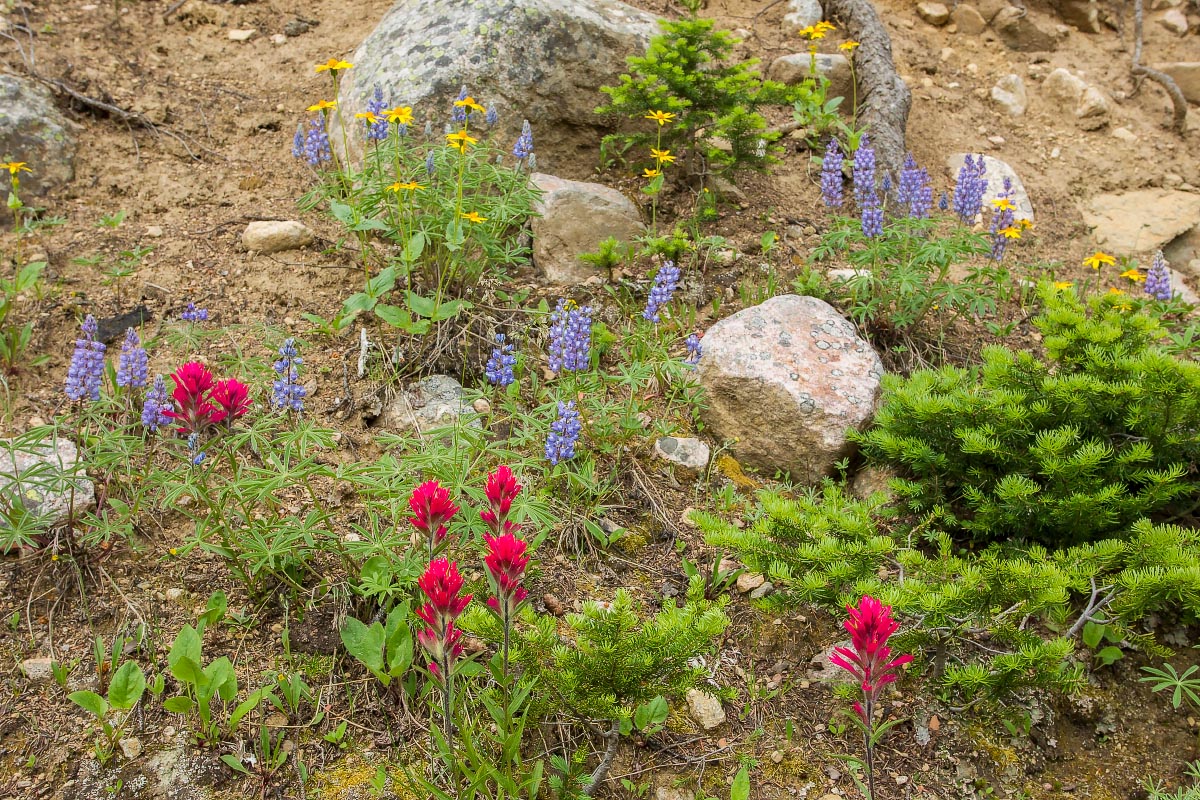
(848, 46)
(322, 105)
(1133, 274)
(334, 65)
(14, 167)
(1063, 284)
(472, 216)
(661, 117)
(400, 115)
(651, 173)
(1097, 258)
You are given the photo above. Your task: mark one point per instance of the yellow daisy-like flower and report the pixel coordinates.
(662, 156)
(334, 65)
(322, 105)
(661, 117)
(460, 140)
(651, 173)
(825, 27)
(1063, 284)
(1097, 258)
(849, 46)
(408, 186)
(469, 102)
(400, 115)
(14, 167)
(1011, 232)
(173, 551)
(1133, 275)
(1115, 290)
(368, 116)
(472, 216)
(1003, 204)
(1024, 224)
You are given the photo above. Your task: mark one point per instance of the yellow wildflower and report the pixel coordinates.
(849, 46)
(408, 186)
(1010, 232)
(1097, 258)
(322, 105)
(662, 156)
(1115, 290)
(469, 102)
(1003, 204)
(472, 216)
(368, 116)
(1133, 275)
(651, 173)
(1063, 284)
(661, 117)
(825, 27)
(14, 167)
(400, 115)
(460, 140)
(334, 65)
(1025, 224)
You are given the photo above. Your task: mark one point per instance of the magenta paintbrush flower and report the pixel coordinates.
(432, 509)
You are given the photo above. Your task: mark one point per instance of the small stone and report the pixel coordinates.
(997, 141)
(1063, 87)
(38, 669)
(154, 231)
(777, 756)
(967, 20)
(275, 236)
(749, 581)
(243, 35)
(1009, 94)
(1124, 134)
(801, 14)
(1175, 21)
(131, 747)
(691, 454)
(762, 591)
(279, 38)
(933, 13)
(481, 405)
(1093, 106)
(174, 594)
(705, 709)
(1018, 32)
(935, 724)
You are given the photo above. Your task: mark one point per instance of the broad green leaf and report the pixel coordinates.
(341, 212)
(179, 705)
(127, 685)
(421, 306)
(451, 309)
(235, 764)
(414, 247)
(357, 303)
(187, 671)
(223, 678)
(365, 644)
(90, 702)
(186, 645)
(382, 283)
(394, 315)
(741, 785)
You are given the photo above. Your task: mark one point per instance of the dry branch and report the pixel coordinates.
(1140, 70)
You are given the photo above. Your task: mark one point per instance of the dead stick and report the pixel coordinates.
(1161, 78)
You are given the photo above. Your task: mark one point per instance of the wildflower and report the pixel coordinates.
(407, 186)
(1115, 290)
(661, 117)
(298, 142)
(400, 115)
(564, 433)
(847, 47)
(694, 349)
(472, 216)
(432, 509)
(193, 314)
(1158, 279)
(323, 105)
(1011, 232)
(1133, 274)
(197, 455)
(501, 490)
(1097, 258)
(333, 66)
(155, 406)
(869, 659)
(132, 364)
(505, 562)
(524, 146)
(377, 126)
(87, 364)
(459, 111)
(944, 202)
(441, 584)
(1003, 203)
(316, 143)
(914, 189)
(492, 116)
(970, 188)
(1063, 284)
(286, 393)
(429, 164)
(570, 337)
(460, 140)
(232, 398)
(1024, 223)
(1002, 219)
(666, 281)
(869, 205)
(193, 409)
(831, 175)
(825, 27)
(662, 156)
(468, 102)
(651, 173)
(15, 167)
(499, 369)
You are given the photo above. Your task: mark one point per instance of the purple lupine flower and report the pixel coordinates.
(429, 164)
(197, 455)
(564, 433)
(499, 369)
(298, 142)
(459, 113)
(156, 404)
(944, 201)
(286, 393)
(378, 130)
(524, 146)
(969, 189)
(86, 370)
(914, 189)
(133, 363)
(570, 337)
(864, 171)
(886, 185)
(1158, 279)
(831, 175)
(872, 216)
(694, 350)
(1003, 216)
(666, 281)
(193, 314)
(492, 116)
(316, 143)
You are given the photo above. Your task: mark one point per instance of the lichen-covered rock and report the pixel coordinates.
(795, 68)
(32, 130)
(705, 709)
(573, 218)
(435, 402)
(785, 380)
(689, 453)
(540, 60)
(45, 477)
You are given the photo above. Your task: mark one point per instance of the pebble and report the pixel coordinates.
(154, 231)
(777, 756)
(996, 140)
(278, 38)
(174, 594)
(242, 35)
(749, 581)
(1175, 21)
(1124, 134)
(481, 405)
(933, 13)
(37, 669)
(131, 747)
(273, 236)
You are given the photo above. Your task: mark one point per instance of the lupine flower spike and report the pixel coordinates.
(432, 509)
(969, 189)
(694, 350)
(499, 369)
(86, 371)
(375, 120)
(155, 406)
(132, 364)
(914, 189)
(287, 393)
(1158, 279)
(564, 433)
(524, 146)
(193, 314)
(570, 337)
(865, 195)
(666, 281)
(831, 175)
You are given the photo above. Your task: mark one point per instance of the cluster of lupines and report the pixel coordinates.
(1158, 279)
(499, 368)
(1003, 221)
(570, 337)
(193, 314)
(694, 349)
(914, 189)
(133, 365)
(969, 189)
(156, 405)
(374, 120)
(312, 145)
(666, 281)
(564, 434)
(86, 370)
(831, 175)
(286, 392)
(201, 401)
(865, 194)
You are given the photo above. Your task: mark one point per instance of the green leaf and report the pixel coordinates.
(365, 644)
(235, 764)
(246, 706)
(370, 225)
(741, 785)
(1092, 634)
(450, 309)
(414, 247)
(398, 641)
(342, 212)
(179, 705)
(127, 685)
(394, 315)
(186, 646)
(421, 306)
(357, 303)
(382, 283)
(90, 702)
(1109, 654)
(223, 678)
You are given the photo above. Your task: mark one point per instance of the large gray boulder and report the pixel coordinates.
(785, 381)
(541, 60)
(32, 130)
(46, 478)
(1140, 221)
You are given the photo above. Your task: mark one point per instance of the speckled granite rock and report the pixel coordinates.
(785, 380)
(435, 402)
(32, 130)
(39, 475)
(540, 60)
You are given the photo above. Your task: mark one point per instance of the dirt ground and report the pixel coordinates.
(221, 157)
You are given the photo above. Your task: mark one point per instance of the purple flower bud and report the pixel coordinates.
(969, 189)
(1002, 219)
(377, 131)
(193, 314)
(914, 189)
(133, 363)
(459, 113)
(831, 175)
(694, 350)
(524, 146)
(1158, 279)
(86, 370)
(156, 404)
(499, 369)
(564, 433)
(287, 393)
(570, 337)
